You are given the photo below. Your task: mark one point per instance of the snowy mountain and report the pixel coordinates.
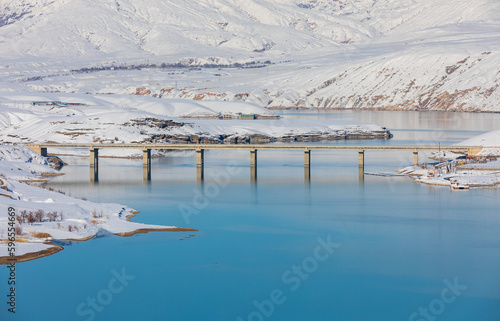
(394, 54)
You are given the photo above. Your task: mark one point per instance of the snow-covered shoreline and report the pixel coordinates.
(479, 170)
(45, 215)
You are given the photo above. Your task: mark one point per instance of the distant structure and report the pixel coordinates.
(248, 116)
(55, 103)
(225, 116)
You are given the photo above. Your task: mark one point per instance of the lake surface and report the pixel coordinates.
(281, 248)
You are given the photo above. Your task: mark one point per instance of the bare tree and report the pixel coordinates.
(39, 215)
(31, 218)
(52, 216)
(24, 215)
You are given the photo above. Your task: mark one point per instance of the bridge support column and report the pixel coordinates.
(361, 164)
(307, 158)
(200, 164)
(146, 164)
(94, 165)
(253, 165)
(415, 157)
(94, 157)
(42, 151)
(307, 166)
(200, 157)
(253, 157)
(361, 158)
(146, 157)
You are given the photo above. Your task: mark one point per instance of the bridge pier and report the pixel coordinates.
(42, 151)
(307, 158)
(94, 165)
(361, 158)
(200, 164)
(200, 157)
(253, 165)
(361, 164)
(253, 157)
(415, 157)
(146, 164)
(146, 157)
(94, 156)
(307, 165)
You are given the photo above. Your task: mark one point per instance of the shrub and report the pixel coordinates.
(19, 229)
(42, 235)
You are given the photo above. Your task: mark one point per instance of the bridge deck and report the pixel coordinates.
(253, 148)
(263, 146)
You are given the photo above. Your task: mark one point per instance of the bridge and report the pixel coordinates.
(252, 148)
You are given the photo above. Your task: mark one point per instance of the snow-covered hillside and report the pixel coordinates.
(426, 54)
(139, 27)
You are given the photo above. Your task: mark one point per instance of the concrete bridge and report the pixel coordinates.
(252, 148)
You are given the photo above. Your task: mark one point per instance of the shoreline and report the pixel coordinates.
(6, 260)
(383, 109)
(54, 248)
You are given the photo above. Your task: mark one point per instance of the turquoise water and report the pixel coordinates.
(395, 247)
